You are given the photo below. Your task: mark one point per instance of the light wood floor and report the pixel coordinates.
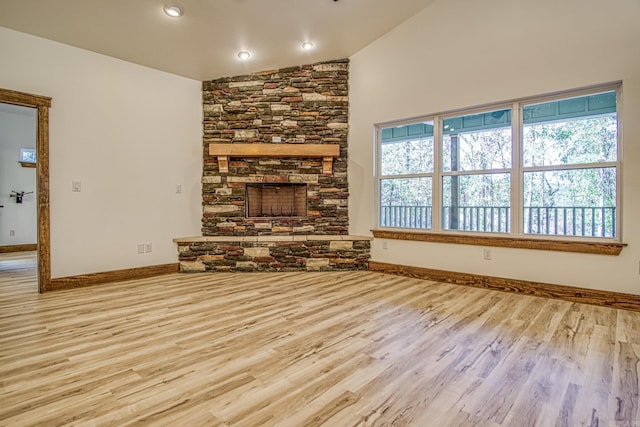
(307, 349)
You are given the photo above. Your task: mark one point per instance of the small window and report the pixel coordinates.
(27, 155)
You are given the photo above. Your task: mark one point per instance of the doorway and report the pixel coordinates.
(41, 104)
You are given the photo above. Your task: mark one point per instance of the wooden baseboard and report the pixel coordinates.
(567, 293)
(112, 276)
(19, 248)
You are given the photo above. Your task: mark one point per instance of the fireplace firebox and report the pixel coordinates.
(276, 200)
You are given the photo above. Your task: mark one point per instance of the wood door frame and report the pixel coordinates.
(42, 105)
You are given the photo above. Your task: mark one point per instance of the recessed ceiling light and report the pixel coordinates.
(307, 45)
(173, 11)
(244, 55)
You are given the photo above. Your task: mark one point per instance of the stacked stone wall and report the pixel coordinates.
(274, 253)
(296, 105)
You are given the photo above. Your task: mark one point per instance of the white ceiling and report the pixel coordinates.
(203, 44)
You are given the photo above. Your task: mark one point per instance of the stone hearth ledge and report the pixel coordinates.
(294, 238)
(273, 253)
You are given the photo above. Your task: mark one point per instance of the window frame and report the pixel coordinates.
(516, 171)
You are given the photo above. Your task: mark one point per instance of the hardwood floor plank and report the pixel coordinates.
(308, 349)
(625, 395)
(338, 404)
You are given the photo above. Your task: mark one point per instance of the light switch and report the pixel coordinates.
(76, 186)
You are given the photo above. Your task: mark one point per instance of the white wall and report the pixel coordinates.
(461, 53)
(130, 134)
(17, 130)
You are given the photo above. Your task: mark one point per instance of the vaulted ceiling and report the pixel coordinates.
(203, 44)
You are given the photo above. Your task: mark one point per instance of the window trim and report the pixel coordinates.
(517, 170)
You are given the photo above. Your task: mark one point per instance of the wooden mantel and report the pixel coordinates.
(224, 151)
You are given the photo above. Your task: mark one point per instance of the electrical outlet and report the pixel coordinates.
(148, 247)
(76, 186)
(487, 254)
(178, 188)
(385, 245)
(12, 233)
(140, 248)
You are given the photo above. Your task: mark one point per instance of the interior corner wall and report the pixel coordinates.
(462, 53)
(130, 135)
(18, 221)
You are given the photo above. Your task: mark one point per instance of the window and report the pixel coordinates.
(476, 172)
(570, 153)
(28, 155)
(406, 169)
(544, 166)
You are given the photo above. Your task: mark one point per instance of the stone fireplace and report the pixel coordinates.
(275, 187)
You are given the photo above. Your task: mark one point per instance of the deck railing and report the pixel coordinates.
(405, 216)
(493, 219)
(586, 221)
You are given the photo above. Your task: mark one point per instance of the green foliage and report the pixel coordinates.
(406, 192)
(575, 142)
(407, 157)
(475, 151)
